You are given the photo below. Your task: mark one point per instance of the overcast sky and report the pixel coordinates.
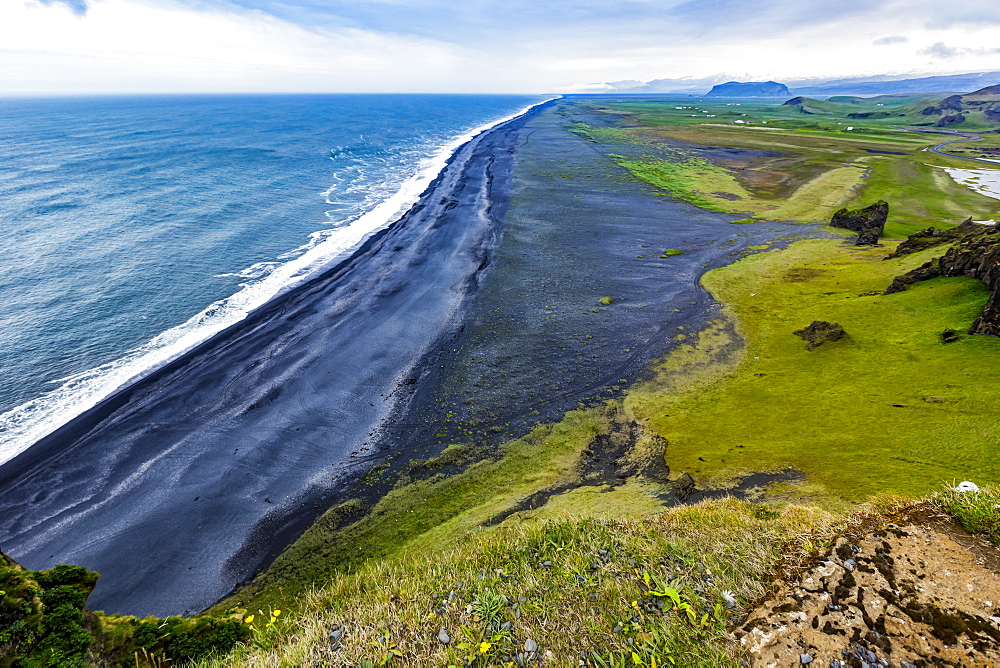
(502, 46)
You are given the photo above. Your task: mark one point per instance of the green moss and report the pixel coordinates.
(671, 252)
(606, 300)
(887, 408)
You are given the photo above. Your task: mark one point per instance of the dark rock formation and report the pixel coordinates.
(749, 89)
(868, 222)
(974, 256)
(957, 109)
(932, 236)
(869, 114)
(951, 119)
(818, 332)
(947, 336)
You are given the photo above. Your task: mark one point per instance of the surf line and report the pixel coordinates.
(24, 425)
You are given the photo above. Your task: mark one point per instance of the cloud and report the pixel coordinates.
(470, 46)
(78, 7)
(941, 50)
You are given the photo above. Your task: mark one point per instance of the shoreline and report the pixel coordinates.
(148, 419)
(76, 394)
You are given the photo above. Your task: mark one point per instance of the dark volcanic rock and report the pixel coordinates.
(869, 114)
(818, 332)
(953, 102)
(749, 89)
(932, 236)
(974, 256)
(951, 119)
(868, 222)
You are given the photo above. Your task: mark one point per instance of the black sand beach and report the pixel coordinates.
(474, 317)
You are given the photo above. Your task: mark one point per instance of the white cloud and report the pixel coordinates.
(130, 46)
(474, 46)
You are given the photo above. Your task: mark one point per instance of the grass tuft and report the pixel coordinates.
(976, 511)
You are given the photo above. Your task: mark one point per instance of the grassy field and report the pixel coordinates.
(657, 592)
(593, 568)
(887, 408)
(794, 167)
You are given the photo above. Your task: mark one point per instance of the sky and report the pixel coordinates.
(476, 46)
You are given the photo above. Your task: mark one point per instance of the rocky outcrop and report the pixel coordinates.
(818, 332)
(918, 593)
(951, 119)
(982, 105)
(974, 256)
(932, 236)
(868, 222)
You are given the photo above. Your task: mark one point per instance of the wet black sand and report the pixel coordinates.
(475, 317)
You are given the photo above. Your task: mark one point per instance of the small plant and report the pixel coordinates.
(263, 635)
(672, 251)
(607, 300)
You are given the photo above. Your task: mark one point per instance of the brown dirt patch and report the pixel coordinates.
(920, 592)
(802, 274)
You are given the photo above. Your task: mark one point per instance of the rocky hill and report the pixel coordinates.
(749, 89)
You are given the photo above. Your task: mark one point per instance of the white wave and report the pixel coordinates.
(22, 426)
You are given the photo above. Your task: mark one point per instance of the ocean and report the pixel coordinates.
(133, 228)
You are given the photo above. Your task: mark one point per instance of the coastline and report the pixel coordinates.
(104, 471)
(24, 425)
(223, 426)
(536, 344)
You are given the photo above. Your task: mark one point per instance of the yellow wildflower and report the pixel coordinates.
(484, 647)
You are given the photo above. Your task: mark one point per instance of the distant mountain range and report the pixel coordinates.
(954, 83)
(875, 85)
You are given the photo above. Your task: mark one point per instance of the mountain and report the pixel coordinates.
(749, 89)
(882, 86)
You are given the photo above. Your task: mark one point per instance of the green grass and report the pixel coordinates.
(426, 515)
(694, 181)
(606, 589)
(831, 413)
(821, 166)
(920, 194)
(977, 511)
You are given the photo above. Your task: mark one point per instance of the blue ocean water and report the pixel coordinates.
(133, 228)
